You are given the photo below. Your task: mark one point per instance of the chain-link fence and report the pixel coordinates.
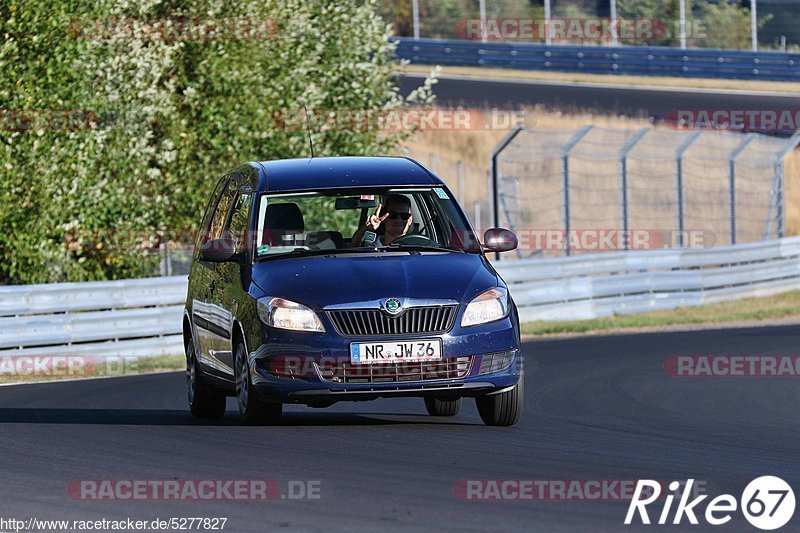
(596, 189)
(708, 23)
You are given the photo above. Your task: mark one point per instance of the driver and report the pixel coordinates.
(396, 220)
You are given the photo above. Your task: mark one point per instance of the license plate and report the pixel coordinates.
(365, 353)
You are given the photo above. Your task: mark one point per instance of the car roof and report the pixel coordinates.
(341, 172)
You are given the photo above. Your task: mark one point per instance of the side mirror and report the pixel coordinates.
(218, 250)
(499, 240)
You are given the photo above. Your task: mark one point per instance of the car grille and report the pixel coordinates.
(376, 323)
(345, 372)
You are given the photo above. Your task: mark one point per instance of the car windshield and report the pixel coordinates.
(381, 219)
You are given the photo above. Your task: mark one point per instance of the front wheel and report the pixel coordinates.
(253, 411)
(437, 407)
(504, 409)
(204, 401)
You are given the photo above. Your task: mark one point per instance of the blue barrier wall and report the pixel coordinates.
(637, 60)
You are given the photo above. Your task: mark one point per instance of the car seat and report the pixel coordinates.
(282, 220)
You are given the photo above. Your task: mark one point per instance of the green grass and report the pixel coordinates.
(112, 367)
(749, 309)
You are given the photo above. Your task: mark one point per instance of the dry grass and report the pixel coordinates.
(705, 167)
(144, 365)
(654, 81)
(792, 183)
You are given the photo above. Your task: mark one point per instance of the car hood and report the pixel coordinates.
(320, 281)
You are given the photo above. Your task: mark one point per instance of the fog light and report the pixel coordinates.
(495, 362)
(291, 367)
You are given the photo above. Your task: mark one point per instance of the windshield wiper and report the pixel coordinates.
(301, 252)
(423, 247)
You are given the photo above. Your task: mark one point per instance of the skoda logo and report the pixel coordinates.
(392, 306)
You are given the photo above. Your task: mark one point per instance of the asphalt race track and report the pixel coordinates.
(596, 408)
(451, 91)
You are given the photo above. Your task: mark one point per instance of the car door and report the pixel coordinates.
(211, 318)
(233, 277)
(200, 275)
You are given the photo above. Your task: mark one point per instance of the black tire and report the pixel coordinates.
(253, 410)
(504, 409)
(204, 400)
(437, 407)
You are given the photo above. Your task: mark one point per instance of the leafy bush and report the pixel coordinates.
(722, 24)
(156, 121)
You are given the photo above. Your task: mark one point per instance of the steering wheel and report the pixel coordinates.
(415, 238)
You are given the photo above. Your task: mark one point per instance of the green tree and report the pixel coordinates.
(722, 24)
(727, 25)
(169, 115)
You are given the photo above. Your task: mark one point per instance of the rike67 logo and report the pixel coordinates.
(767, 503)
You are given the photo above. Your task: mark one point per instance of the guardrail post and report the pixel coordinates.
(732, 180)
(460, 170)
(415, 17)
(682, 11)
(777, 202)
(679, 182)
(581, 133)
(165, 266)
(494, 177)
(623, 180)
(614, 23)
(548, 36)
(509, 213)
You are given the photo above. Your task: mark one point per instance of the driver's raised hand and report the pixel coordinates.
(375, 219)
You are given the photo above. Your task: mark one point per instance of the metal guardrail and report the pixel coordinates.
(142, 317)
(598, 285)
(136, 317)
(636, 60)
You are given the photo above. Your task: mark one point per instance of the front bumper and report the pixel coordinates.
(307, 381)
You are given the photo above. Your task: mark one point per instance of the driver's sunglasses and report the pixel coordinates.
(396, 214)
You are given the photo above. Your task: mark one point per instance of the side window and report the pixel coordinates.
(240, 219)
(419, 216)
(425, 217)
(218, 222)
(440, 223)
(202, 236)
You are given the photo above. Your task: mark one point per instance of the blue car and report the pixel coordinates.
(322, 280)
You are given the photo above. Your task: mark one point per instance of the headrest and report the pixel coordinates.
(284, 219)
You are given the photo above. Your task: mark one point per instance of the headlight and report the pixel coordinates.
(486, 307)
(285, 314)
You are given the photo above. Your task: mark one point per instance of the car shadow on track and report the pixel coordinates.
(152, 417)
